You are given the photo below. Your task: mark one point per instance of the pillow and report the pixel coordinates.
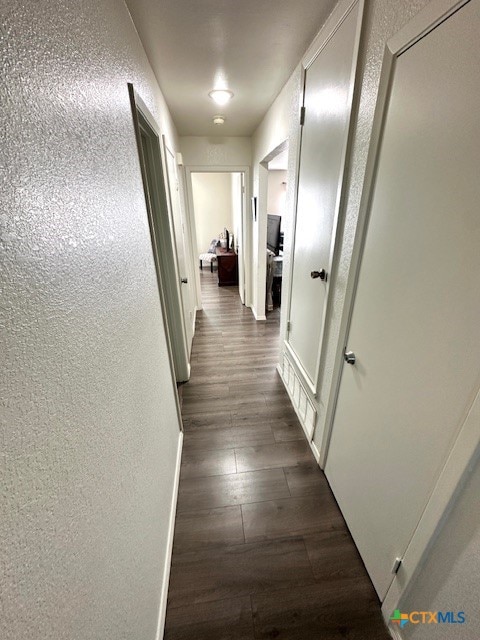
(212, 247)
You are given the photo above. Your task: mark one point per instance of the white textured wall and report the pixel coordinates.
(89, 429)
(212, 202)
(216, 151)
(277, 191)
(449, 580)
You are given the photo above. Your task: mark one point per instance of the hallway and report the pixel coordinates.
(260, 548)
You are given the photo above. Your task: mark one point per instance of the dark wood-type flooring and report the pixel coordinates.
(260, 549)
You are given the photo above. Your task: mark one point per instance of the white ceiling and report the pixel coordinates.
(249, 46)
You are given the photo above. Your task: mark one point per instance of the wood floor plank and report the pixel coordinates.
(201, 463)
(348, 610)
(208, 528)
(238, 570)
(222, 620)
(334, 556)
(262, 413)
(237, 488)
(207, 420)
(306, 479)
(281, 454)
(290, 517)
(229, 437)
(285, 431)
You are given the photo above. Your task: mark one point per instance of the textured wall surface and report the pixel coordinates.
(216, 151)
(89, 429)
(277, 188)
(449, 579)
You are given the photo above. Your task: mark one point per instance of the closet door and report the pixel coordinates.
(415, 322)
(327, 99)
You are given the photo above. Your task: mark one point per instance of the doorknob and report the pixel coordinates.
(349, 357)
(184, 280)
(322, 274)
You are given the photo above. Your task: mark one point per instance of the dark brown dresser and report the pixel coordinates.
(227, 262)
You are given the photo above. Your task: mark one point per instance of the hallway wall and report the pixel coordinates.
(90, 429)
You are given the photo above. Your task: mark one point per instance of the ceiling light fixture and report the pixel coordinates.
(218, 119)
(221, 96)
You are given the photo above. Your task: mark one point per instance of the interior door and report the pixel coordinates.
(182, 246)
(415, 322)
(327, 101)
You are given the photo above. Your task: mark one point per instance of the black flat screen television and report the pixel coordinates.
(273, 233)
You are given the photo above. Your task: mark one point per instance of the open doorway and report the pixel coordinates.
(276, 195)
(268, 232)
(217, 204)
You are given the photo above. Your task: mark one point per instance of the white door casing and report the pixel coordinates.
(238, 196)
(329, 83)
(182, 245)
(414, 323)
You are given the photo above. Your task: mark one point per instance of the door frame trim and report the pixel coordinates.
(187, 249)
(166, 270)
(334, 22)
(466, 449)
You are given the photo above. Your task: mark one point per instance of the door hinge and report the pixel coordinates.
(396, 565)
(302, 116)
(289, 326)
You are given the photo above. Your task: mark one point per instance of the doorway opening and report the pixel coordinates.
(276, 211)
(217, 203)
(269, 231)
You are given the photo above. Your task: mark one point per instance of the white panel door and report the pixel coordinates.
(182, 246)
(327, 100)
(415, 321)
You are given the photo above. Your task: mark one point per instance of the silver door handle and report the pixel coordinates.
(322, 274)
(184, 280)
(349, 357)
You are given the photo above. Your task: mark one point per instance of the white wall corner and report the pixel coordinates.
(168, 557)
(255, 314)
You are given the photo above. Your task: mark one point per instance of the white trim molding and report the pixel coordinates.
(162, 612)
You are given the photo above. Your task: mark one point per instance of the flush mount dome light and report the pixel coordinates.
(218, 119)
(221, 96)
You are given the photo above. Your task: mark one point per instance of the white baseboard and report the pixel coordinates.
(256, 316)
(316, 452)
(168, 558)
